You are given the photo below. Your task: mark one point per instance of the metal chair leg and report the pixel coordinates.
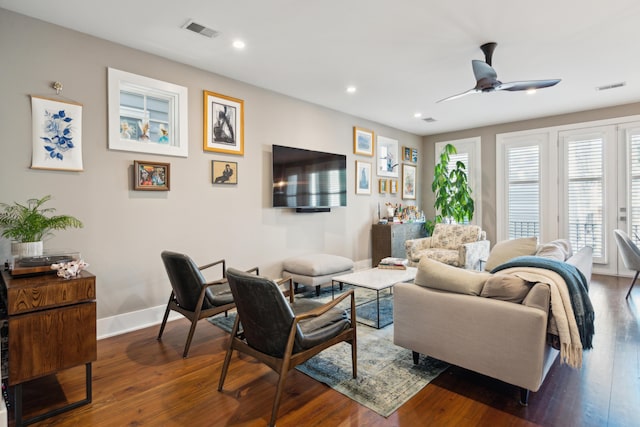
(632, 283)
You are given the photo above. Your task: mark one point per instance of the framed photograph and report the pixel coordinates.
(388, 160)
(393, 186)
(363, 177)
(147, 115)
(57, 134)
(408, 182)
(383, 185)
(224, 172)
(151, 176)
(223, 124)
(362, 141)
(410, 154)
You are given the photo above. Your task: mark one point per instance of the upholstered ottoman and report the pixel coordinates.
(315, 269)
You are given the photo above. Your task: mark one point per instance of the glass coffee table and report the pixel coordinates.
(377, 279)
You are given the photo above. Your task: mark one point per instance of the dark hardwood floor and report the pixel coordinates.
(138, 381)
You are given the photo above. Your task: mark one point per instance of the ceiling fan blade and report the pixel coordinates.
(460, 95)
(482, 70)
(528, 85)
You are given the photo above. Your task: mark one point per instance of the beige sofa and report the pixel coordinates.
(454, 244)
(497, 338)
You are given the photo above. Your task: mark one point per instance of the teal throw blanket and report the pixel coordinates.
(576, 284)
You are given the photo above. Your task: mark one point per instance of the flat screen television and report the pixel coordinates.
(310, 181)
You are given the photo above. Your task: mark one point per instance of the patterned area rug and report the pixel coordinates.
(387, 377)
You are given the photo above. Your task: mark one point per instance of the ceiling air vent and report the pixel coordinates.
(611, 86)
(429, 119)
(200, 29)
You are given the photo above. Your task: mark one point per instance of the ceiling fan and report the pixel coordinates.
(487, 78)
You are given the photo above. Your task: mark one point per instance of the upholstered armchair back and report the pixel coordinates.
(452, 236)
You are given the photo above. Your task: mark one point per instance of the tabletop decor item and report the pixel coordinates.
(70, 269)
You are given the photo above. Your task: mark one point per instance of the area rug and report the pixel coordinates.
(387, 377)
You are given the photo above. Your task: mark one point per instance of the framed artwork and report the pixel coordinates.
(362, 141)
(393, 186)
(408, 182)
(147, 115)
(57, 134)
(151, 176)
(223, 124)
(224, 172)
(382, 185)
(388, 160)
(363, 177)
(410, 154)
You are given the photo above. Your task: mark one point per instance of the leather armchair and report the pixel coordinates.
(454, 244)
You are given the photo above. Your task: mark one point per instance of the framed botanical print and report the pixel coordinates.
(408, 182)
(393, 186)
(223, 123)
(363, 177)
(387, 157)
(383, 185)
(362, 141)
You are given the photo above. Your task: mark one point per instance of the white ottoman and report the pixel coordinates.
(315, 269)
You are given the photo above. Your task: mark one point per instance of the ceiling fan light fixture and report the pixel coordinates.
(531, 91)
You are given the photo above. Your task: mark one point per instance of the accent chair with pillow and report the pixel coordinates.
(458, 245)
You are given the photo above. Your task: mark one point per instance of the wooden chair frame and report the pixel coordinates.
(289, 361)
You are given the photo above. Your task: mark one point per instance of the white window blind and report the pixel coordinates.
(634, 182)
(523, 192)
(585, 192)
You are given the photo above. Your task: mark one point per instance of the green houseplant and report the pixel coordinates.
(30, 223)
(453, 200)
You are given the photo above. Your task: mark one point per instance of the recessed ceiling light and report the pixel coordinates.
(351, 89)
(239, 44)
(417, 115)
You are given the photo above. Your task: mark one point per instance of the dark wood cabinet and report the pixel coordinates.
(388, 239)
(51, 327)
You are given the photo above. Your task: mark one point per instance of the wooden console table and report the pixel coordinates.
(52, 327)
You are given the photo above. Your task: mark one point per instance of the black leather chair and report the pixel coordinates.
(274, 335)
(191, 295)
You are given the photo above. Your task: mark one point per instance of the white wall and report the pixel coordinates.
(126, 230)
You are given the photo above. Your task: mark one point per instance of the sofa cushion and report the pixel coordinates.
(558, 249)
(506, 287)
(436, 275)
(509, 249)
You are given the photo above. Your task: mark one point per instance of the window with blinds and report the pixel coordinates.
(585, 192)
(634, 183)
(523, 192)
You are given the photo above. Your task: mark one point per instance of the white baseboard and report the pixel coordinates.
(132, 321)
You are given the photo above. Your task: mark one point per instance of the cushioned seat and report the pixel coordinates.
(315, 269)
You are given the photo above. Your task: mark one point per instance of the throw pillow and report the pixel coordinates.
(436, 275)
(509, 249)
(559, 249)
(505, 287)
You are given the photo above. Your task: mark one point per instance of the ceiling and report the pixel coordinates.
(402, 56)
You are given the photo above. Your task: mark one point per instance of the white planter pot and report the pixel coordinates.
(27, 249)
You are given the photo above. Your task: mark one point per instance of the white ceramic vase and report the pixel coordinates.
(27, 249)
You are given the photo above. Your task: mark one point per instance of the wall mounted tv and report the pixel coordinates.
(309, 181)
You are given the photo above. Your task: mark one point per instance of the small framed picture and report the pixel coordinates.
(363, 177)
(383, 185)
(151, 176)
(408, 182)
(362, 141)
(388, 160)
(223, 123)
(410, 154)
(393, 186)
(224, 172)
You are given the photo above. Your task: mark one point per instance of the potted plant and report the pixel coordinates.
(453, 201)
(27, 224)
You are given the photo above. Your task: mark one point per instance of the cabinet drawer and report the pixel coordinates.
(25, 295)
(44, 342)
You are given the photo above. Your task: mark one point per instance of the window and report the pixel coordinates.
(633, 150)
(523, 166)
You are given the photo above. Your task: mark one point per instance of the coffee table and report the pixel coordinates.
(377, 279)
